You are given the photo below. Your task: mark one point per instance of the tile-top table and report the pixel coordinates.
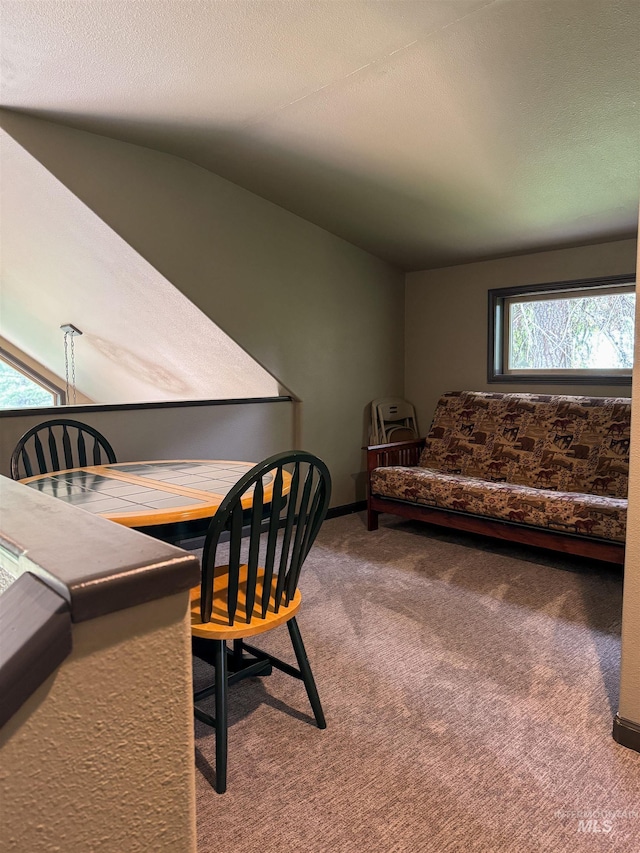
(144, 494)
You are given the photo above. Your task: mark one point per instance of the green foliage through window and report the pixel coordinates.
(17, 391)
(576, 333)
(563, 332)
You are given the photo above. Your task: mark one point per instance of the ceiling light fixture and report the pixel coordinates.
(70, 331)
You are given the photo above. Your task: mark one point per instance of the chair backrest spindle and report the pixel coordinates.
(296, 554)
(254, 547)
(82, 450)
(286, 538)
(272, 538)
(26, 462)
(66, 447)
(53, 451)
(234, 560)
(42, 464)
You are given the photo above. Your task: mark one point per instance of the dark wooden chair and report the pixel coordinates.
(257, 588)
(57, 445)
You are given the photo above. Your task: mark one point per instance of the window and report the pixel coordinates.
(21, 387)
(571, 332)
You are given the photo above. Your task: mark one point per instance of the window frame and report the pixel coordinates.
(498, 332)
(59, 396)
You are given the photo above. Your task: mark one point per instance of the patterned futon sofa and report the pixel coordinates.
(541, 469)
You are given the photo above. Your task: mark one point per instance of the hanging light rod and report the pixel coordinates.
(70, 329)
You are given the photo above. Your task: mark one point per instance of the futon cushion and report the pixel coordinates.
(598, 516)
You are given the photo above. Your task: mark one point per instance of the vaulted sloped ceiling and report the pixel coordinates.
(428, 133)
(142, 340)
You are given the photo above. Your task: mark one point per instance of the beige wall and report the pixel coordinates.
(100, 757)
(325, 318)
(248, 431)
(447, 311)
(630, 665)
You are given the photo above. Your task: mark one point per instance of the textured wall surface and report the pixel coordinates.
(100, 757)
(447, 311)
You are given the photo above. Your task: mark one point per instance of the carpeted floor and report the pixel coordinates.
(469, 688)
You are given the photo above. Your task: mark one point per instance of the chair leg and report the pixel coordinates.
(236, 656)
(307, 675)
(221, 715)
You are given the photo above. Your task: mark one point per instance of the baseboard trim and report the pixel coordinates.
(626, 733)
(346, 509)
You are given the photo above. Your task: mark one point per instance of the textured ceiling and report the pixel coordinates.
(428, 133)
(142, 339)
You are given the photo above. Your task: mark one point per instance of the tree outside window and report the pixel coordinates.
(19, 388)
(569, 332)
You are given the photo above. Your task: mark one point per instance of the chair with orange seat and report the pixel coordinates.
(257, 588)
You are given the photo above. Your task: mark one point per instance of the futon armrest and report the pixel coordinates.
(396, 453)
